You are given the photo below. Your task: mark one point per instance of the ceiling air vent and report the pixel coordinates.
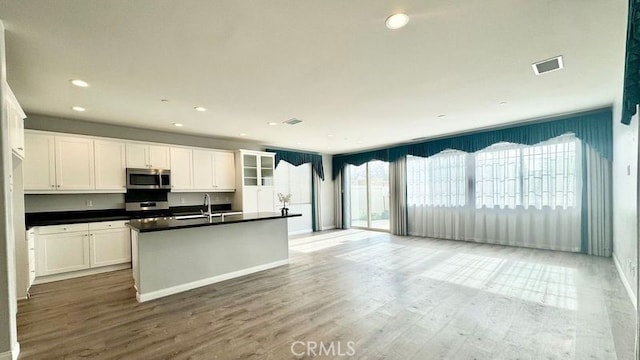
(548, 65)
(292, 121)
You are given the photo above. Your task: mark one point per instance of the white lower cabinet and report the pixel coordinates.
(258, 199)
(110, 247)
(67, 248)
(62, 252)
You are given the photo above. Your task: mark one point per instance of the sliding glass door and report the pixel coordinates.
(369, 199)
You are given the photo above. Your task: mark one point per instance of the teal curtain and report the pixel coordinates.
(631, 94)
(296, 158)
(594, 128)
(316, 199)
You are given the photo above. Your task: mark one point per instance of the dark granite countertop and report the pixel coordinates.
(87, 216)
(162, 224)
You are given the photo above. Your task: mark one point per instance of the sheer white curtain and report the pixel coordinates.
(506, 194)
(533, 198)
(437, 195)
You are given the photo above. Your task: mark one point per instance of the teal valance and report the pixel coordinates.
(631, 90)
(594, 128)
(296, 158)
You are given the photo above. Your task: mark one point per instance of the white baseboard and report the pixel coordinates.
(625, 282)
(208, 281)
(13, 354)
(332, 227)
(79, 273)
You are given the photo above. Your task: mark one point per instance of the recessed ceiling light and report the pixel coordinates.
(78, 108)
(243, 134)
(441, 115)
(272, 123)
(79, 83)
(330, 135)
(503, 103)
(200, 108)
(178, 124)
(397, 21)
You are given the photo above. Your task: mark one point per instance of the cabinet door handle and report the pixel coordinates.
(53, 186)
(20, 148)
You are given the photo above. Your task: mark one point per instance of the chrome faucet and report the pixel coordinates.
(207, 203)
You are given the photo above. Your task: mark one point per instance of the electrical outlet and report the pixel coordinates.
(89, 203)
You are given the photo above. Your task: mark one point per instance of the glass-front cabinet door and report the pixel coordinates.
(266, 170)
(257, 169)
(250, 169)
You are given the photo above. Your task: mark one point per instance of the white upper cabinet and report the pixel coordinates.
(203, 178)
(159, 157)
(181, 168)
(110, 165)
(15, 117)
(148, 156)
(75, 167)
(137, 156)
(213, 170)
(39, 165)
(57, 162)
(224, 171)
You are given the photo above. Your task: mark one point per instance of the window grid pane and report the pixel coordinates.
(438, 180)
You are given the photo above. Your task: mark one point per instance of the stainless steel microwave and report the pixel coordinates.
(148, 179)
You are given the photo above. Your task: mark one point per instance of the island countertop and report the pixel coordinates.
(170, 223)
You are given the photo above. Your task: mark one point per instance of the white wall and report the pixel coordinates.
(625, 186)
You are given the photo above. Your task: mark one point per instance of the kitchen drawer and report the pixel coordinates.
(105, 225)
(57, 229)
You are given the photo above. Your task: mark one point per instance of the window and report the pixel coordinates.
(510, 175)
(438, 180)
(549, 174)
(498, 176)
(294, 180)
(504, 176)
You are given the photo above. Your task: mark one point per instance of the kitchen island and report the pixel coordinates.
(171, 256)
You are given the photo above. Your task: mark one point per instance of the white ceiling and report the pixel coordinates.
(331, 63)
